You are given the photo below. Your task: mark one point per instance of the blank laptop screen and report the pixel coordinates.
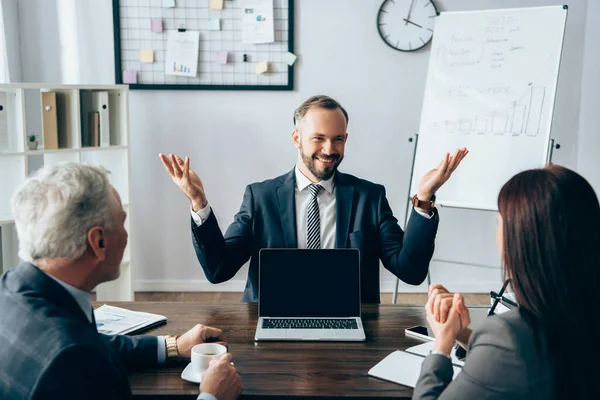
(309, 283)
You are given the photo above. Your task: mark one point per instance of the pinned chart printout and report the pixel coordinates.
(257, 21)
(182, 53)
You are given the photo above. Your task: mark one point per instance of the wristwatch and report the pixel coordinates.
(425, 205)
(171, 343)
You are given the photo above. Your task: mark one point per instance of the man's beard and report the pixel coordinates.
(327, 172)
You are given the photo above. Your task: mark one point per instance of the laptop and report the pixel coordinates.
(309, 295)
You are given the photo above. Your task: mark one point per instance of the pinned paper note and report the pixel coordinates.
(214, 24)
(289, 58)
(262, 67)
(156, 25)
(258, 21)
(215, 4)
(168, 3)
(129, 76)
(147, 56)
(222, 57)
(182, 53)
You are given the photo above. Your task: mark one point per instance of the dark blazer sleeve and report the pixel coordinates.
(406, 254)
(82, 372)
(135, 352)
(220, 256)
(492, 370)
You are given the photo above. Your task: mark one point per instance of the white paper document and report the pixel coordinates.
(119, 321)
(425, 349)
(258, 25)
(403, 368)
(182, 53)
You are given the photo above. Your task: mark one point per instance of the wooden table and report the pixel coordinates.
(285, 369)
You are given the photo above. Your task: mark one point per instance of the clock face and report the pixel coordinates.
(406, 25)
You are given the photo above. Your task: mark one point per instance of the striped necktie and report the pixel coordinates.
(313, 223)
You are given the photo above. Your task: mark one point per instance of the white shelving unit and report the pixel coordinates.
(22, 108)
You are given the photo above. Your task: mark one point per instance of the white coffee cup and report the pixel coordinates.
(203, 353)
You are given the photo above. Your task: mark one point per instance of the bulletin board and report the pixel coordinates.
(135, 29)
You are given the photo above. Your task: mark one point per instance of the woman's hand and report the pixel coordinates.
(448, 317)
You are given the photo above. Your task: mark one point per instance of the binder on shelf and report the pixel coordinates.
(100, 105)
(49, 121)
(64, 120)
(93, 128)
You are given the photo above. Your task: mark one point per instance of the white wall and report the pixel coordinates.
(67, 41)
(10, 18)
(235, 138)
(589, 118)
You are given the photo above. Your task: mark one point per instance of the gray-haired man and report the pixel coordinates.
(70, 223)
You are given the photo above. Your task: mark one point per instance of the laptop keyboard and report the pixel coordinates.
(309, 323)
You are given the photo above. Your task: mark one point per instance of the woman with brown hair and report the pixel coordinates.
(549, 237)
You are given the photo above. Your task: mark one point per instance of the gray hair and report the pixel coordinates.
(56, 207)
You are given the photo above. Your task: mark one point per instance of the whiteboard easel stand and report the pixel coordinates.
(549, 154)
(407, 210)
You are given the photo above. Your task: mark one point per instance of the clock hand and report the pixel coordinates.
(410, 22)
(409, 10)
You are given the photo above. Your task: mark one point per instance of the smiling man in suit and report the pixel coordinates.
(70, 223)
(316, 206)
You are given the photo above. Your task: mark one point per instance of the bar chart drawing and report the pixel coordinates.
(180, 68)
(522, 117)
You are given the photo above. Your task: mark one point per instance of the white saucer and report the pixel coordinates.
(190, 375)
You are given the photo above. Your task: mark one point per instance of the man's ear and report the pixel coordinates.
(296, 138)
(96, 244)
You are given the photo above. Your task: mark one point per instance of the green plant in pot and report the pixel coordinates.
(32, 143)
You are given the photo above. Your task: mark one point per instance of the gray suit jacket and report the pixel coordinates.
(49, 349)
(364, 220)
(506, 359)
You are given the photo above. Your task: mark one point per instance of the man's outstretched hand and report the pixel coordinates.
(186, 179)
(434, 179)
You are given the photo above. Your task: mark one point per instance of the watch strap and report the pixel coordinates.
(171, 345)
(426, 205)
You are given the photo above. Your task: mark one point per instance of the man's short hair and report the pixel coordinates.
(320, 101)
(56, 207)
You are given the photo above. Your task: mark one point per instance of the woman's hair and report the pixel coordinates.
(551, 249)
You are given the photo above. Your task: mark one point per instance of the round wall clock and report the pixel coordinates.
(406, 25)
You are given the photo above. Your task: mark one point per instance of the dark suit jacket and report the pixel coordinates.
(364, 220)
(49, 350)
(506, 359)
